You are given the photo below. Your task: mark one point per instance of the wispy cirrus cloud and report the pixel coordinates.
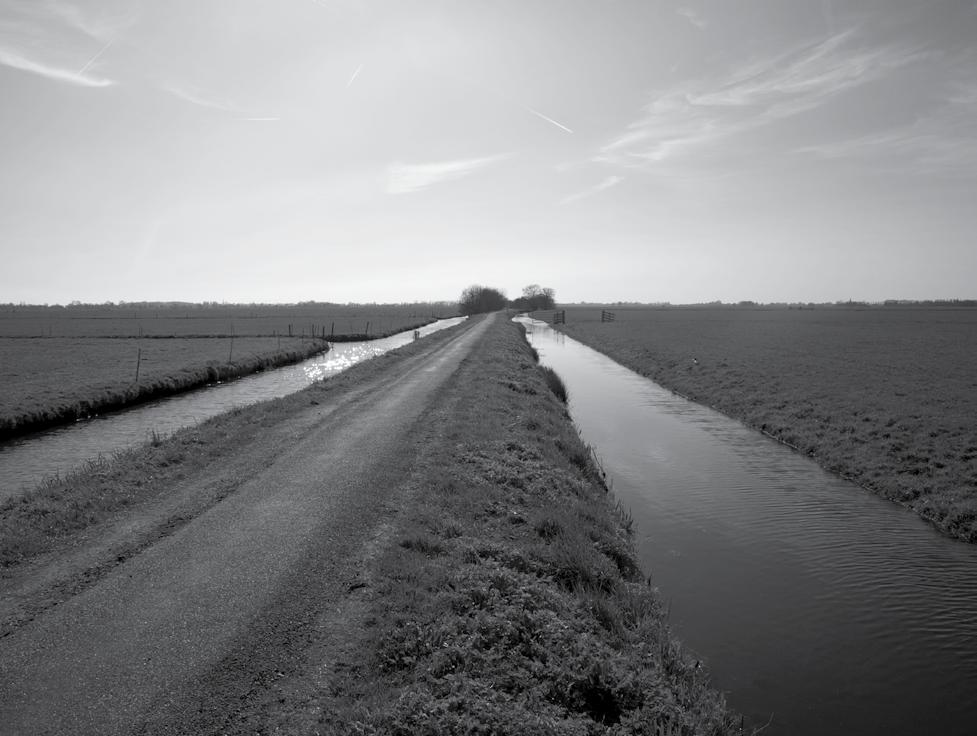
(943, 140)
(103, 26)
(607, 183)
(15, 60)
(692, 17)
(57, 40)
(200, 98)
(703, 113)
(209, 101)
(407, 178)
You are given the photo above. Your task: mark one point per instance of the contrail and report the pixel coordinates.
(355, 75)
(95, 58)
(549, 120)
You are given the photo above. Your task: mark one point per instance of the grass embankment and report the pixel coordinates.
(53, 381)
(510, 601)
(886, 397)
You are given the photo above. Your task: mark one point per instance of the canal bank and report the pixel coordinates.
(813, 601)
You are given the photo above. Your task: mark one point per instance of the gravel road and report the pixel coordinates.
(170, 639)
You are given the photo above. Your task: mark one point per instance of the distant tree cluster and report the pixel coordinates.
(535, 297)
(477, 299)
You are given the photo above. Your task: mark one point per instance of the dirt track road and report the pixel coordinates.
(196, 620)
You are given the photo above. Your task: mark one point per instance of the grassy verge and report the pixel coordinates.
(95, 386)
(509, 600)
(884, 398)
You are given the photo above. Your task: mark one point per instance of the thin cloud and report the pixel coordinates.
(610, 181)
(407, 178)
(100, 27)
(701, 114)
(53, 39)
(965, 95)
(95, 58)
(538, 114)
(15, 60)
(941, 142)
(196, 97)
(692, 17)
(355, 75)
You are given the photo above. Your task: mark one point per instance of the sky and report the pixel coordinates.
(399, 150)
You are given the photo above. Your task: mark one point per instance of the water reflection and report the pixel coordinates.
(26, 461)
(810, 599)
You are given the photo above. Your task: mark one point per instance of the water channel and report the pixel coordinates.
(26, 461)
(812, 602)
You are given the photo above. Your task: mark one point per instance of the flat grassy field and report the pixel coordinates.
(58, 364)
(217, 320)
(886, 396)
(46, 380)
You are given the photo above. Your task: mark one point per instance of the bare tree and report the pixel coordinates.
(535, 297)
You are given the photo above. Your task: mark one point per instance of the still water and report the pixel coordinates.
(26, 461)
(812, 602)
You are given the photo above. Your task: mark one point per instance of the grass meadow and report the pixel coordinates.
(49, 380)
(217, 320)
(58, 364)
(886, 396)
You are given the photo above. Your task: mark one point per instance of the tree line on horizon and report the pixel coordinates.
(477, 299)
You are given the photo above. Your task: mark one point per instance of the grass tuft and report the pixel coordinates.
(423, 544)
(555, 383)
